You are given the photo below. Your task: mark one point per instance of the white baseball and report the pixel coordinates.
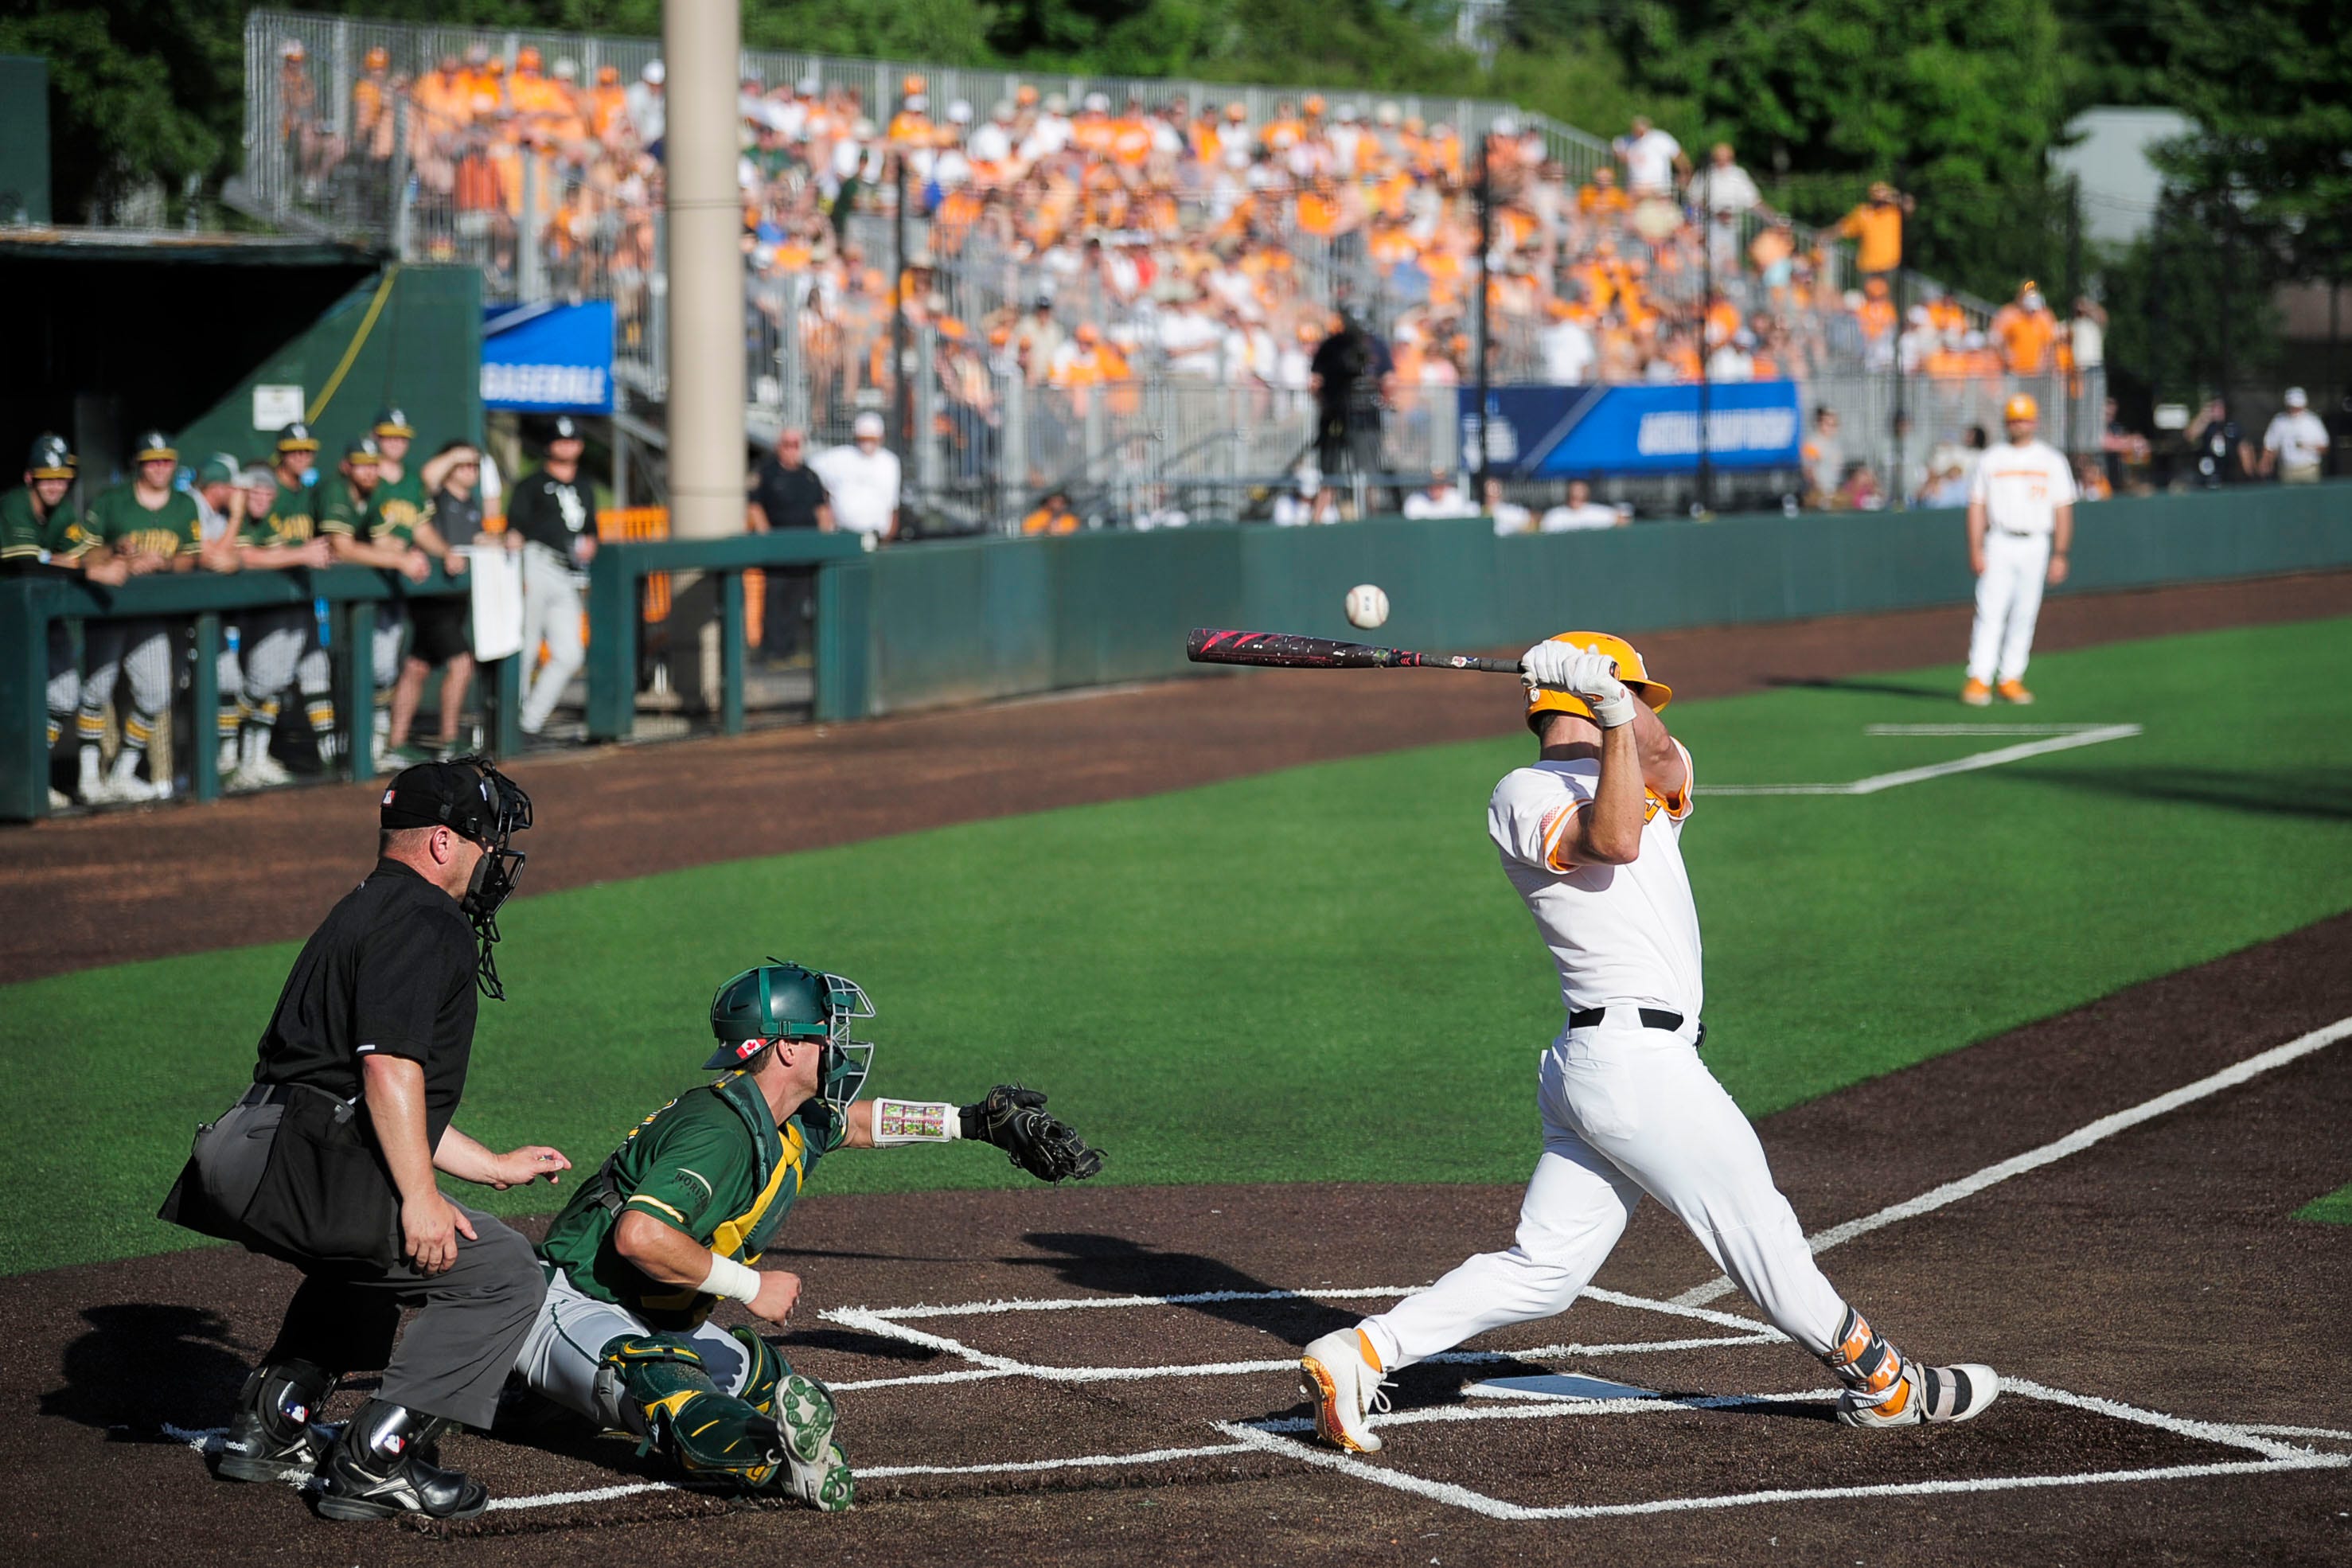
(1366, 606)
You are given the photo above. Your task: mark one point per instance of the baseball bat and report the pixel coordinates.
(1289, 651)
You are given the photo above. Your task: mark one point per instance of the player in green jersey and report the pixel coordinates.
(280, 648)
(695, 1193)
(41, 532)
(152, 526)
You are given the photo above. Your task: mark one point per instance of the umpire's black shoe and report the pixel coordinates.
(270, 1436)
(378, 1468)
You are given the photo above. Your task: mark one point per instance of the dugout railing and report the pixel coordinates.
(197, 606)
(616, 623)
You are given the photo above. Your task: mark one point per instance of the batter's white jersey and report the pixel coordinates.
(1621, 935)
(2021, 487)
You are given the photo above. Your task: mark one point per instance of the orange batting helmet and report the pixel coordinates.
(2021, 406)
(1542, 700)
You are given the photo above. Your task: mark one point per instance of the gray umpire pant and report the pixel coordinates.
(458, 1350)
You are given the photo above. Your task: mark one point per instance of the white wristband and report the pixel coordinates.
(914, 1121)
(728, 1278)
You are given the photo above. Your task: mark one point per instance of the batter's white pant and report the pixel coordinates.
(1626, 1110)
(550, 608)
(565, 1346)
(2009, 600)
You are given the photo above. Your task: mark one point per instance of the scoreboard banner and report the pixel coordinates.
(1569, 432)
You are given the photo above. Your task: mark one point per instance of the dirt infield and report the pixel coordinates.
(1106, 1372)
(147, 884)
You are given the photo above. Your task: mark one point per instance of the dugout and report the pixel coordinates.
(118, 331)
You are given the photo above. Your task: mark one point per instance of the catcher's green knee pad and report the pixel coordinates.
(667, 1398)
(817, 1471)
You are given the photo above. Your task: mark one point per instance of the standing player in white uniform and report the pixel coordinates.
(1591, 836)
(2020, 527)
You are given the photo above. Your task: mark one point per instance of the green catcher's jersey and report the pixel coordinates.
(400, 505)
(117, 521)
(341, 511)
(287, 521)
(712, 1163)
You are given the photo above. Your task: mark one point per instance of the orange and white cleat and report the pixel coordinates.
(1975, 693)
(2014, 691)
(1340, 1376)
(1883, 1389)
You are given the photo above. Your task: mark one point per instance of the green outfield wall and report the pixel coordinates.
(961, 622)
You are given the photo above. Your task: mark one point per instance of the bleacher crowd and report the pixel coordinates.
(1194, 242)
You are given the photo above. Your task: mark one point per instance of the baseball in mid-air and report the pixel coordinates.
(1366, 606)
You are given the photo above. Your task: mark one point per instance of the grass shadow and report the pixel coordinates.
(1864, 687)
(2316, 793)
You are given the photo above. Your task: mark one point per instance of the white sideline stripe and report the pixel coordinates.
(1956, 728)
(2074, 1142)
(592, 1494)
(1969, 763)
(1089, 1461)
(1075, 1303)
(1290, 1363)
(2265, 1430)
(2228, 1433)
(1541, 1408)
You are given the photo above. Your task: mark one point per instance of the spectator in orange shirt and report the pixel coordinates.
(1053, 516)
(2027, 330)
(1876, 228)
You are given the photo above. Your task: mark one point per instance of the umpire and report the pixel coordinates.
(327, 1163)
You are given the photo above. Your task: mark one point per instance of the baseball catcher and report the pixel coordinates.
(676, 1218)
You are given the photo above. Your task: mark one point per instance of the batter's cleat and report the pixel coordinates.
(1340, 1376)
(1923, 1394)
(383, 1466)
(1975, 693)
(270, 1436)
(2014, 691)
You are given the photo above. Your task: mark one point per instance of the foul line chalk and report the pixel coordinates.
(2074, 1142)
(1079, 1303)
(1970, 763)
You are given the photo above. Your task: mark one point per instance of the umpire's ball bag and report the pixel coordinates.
(299, 1179)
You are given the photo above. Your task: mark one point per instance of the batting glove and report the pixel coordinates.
(1548, 664)
(1594, 677)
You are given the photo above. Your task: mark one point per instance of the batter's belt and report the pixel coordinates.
(1652, 1018)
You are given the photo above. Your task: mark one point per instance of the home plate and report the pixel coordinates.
(1558, 1385)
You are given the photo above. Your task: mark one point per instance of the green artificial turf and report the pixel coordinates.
(1321, 972)
(2336, 1208)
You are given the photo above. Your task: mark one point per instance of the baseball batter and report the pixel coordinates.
(2020, 527)
(1590, 836)
(695, 1193)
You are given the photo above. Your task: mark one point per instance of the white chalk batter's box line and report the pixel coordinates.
(1277, 1435)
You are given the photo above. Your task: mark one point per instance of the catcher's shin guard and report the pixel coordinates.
(270, 1437)
(665, 1396)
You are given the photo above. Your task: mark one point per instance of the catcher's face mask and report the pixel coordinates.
(847, 1060)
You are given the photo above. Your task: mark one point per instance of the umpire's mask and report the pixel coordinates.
(469, 796)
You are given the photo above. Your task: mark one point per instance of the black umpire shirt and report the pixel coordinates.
(790, 497)
(547, 510)
(390, 971)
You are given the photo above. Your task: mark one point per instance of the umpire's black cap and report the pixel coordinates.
(431, 794)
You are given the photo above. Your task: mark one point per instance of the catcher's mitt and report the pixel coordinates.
(1014, 1120)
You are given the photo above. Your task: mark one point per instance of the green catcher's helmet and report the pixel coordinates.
(781, 1001)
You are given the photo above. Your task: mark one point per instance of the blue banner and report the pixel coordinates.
(549, 358)
(1565, 432)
